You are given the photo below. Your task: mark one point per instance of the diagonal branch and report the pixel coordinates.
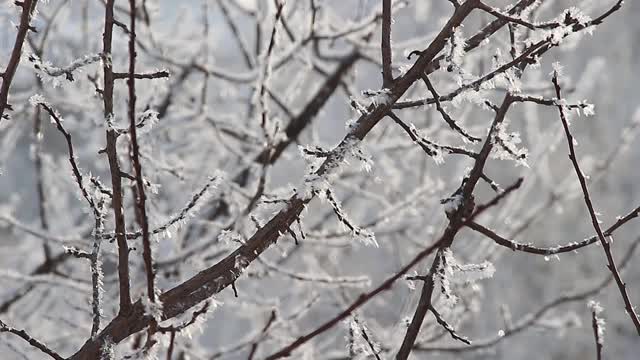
(33, 342)
(442, 111)
(606, 245)
(28, 8)
(516, 246)
(219, 276)
(117, 199)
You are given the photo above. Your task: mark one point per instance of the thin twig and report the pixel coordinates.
(33, 342)
(28, 8)
(606, 245)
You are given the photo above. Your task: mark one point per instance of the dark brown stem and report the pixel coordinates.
(424, 304)
(531, 249)
(135, 159)
(442, 111)
(456, 221)
(387, 76)
(606, 245)
(154, 75)
(597, 332)
(28, 7)
(114, 166)
(33, 342)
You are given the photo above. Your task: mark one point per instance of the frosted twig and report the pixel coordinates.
(38, 101)
(606, 245)
(96, 273)
(528, 248)
(443, 112)
(68, 70)
(448, 327)
(527, 321)
(358, 281)
(598, 327)
(33, 342)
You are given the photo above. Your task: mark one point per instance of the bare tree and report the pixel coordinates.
(193, 113)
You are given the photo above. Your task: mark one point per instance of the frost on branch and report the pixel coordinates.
(372, 98)
(449, 273)
(53, 71)
(153, 309)
(452, 204)
(563, 26)
(147, 120)
(108, 350)
(598, 321)
(455, 50)
(336, 161)
(191, 209)
(319, 182)
(37, 99)
(361, 345)
(506, 145)
(229, 237)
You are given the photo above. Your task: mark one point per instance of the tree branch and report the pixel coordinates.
(606, 245)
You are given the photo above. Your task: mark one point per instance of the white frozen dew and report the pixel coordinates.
(154, 187)
(381, 97)
(470, 273)
(368, 238)
(153, 309)
(455, 48)
(588, 109)
(351, 123)
(148, 119)
(54, 71)
(558, 70)
(443, 273)
(349, 150)
(577, 14)
(595, 306)
(600, 323)
(505, 146)
(452, 204)
(359, 346)
(450, 272)
(241, 263)
(228, 237)
(37, 99)
(410, 283)
(107, 350)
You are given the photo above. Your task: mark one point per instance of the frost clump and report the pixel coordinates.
(599, 324)
(153, 309)
(449, 272)
(36, 100)
(452, 204)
